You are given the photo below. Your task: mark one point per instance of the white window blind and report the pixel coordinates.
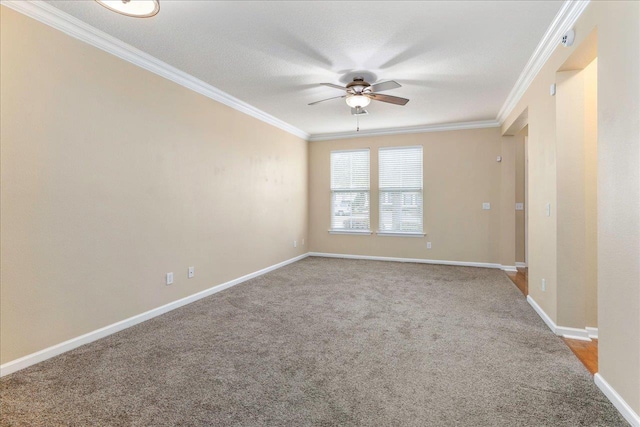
(350, 190)
(400, 189)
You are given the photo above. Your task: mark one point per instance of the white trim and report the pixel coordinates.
(593, 332)
(362, 232)
(621, 405)
(351, 150)
(521, 265)
(563, 331)
(50, 15)
(415, 260)
(573, 333)
(509, 268)
(399, 234)
(550, 323)
(405, 130)
(400, 147)
(53, 17)
(47, 353)
(564, 20)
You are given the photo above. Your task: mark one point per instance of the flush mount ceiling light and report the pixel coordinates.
(134, 8)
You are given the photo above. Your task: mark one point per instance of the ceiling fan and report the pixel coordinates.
(359, 94)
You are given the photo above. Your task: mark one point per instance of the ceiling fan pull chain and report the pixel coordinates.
(357, 123)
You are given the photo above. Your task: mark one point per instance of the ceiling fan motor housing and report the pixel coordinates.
(359, 93)
(358, 85)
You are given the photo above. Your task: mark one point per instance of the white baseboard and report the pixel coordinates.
(563, 331)
(617, 400)
(573, 333)
(509, 268)
(544, 316)
(47, 353)
(521, 264)
(415, 260)
(593, 332)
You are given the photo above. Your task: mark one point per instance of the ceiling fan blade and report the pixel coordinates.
(334, 86)
(388, 98)
(388, 85)
(328, 99)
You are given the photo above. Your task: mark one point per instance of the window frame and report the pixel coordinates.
(333, 191)
(381, 190)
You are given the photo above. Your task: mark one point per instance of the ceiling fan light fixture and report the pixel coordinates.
(358, 101)
(133, 8)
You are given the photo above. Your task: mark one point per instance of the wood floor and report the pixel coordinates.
(585, 351)
(521, 280)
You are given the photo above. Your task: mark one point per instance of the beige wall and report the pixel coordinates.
(508, 201)
(576, 113)
(591, 192)
(113, 176)
(520, 196)
(618, 191)
(619, 196)
(94, 215)
(460, 173)
(571, 207)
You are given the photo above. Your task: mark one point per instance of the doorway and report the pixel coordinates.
(521, 198)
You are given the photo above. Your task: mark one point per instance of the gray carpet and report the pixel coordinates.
(324, 342)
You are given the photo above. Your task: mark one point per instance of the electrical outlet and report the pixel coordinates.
(548, 209)
(544, 285)
(295, 243)
(486, 206)
(519, 206)
(169, 278)
(428, 245)
(192, 272)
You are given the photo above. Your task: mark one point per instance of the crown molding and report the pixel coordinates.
(53, 17)
(564, 20)
(405, 130)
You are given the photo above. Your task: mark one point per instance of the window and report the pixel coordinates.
(400, 190)
(350, 191)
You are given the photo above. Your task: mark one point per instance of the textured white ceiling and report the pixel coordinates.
(457, 61)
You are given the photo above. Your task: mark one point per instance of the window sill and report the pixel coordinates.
(399, 234)
(356, 232)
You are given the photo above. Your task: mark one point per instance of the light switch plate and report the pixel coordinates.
(519, 206)
(486, 206)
